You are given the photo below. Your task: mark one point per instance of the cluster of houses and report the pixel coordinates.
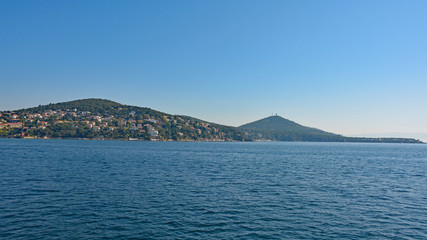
(11, 125)
(42, 120)
(150, 125)
(13, 122)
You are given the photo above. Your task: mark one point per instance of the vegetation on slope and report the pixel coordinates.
(105, 119)
(277, 128)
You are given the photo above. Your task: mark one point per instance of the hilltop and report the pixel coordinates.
(105, 119)
(278, 123)
(277, 128)
(280, 129)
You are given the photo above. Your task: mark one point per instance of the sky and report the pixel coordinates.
(348, 67)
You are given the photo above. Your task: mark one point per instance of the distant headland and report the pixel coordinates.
(105, 119)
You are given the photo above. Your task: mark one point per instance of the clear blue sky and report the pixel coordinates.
(348, 67)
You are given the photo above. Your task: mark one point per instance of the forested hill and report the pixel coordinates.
(280, 129)
(277, 128)
(93, 105)
(105, 119)
(277, 123)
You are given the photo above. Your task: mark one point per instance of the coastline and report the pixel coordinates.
(191, 140)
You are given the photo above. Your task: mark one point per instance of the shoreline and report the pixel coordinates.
(170, 140)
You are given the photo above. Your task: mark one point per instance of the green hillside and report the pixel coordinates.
(277, 123)
(104, 119)
(280, 129)
(277, 128)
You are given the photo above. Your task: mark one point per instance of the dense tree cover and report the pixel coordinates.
(4, 132)
(100, 107)
(277, 128)
(303, 137)
(277, 123)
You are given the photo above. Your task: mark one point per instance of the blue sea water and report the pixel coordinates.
(76, 189)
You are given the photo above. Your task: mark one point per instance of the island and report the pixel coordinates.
(105, 119)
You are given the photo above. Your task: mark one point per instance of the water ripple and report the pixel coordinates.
(56, 189)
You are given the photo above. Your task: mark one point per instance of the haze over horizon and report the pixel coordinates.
(351, 68)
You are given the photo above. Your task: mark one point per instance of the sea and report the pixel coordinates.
(88, 189)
